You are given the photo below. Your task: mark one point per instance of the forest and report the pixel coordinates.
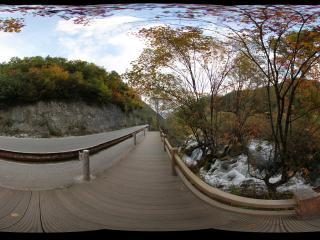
(33, 79)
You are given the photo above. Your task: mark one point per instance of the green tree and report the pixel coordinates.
(33, 79)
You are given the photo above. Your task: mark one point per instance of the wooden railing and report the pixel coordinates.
(216, 194)
(65, 155)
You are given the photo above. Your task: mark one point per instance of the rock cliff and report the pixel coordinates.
(48, 119)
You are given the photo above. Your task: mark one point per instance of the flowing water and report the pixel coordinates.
(234, 172)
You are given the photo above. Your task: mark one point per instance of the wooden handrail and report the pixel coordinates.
(222, 196)
(28, 157)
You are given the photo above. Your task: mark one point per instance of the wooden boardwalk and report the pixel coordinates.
(137, 193)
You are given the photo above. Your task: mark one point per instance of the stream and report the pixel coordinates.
(234, 172)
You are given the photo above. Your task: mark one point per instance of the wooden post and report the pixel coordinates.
(144, 132)
(164, 142)
(84, 157)
(135, 138)
(173, 162)
(308, 203)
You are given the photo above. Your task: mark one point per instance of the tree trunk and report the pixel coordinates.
(272, 190)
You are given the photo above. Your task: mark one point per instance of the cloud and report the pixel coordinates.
(108, 42)
(100, 25)
(11, 45)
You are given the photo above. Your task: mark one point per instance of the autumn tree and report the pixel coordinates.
(284, 45)
(243, 80)
(188, 69)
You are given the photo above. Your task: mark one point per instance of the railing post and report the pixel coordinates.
(84, 157)
(135, 138)
(164, 142)
(173, 162)
(144, 132)
(161, 135)
(308, 203)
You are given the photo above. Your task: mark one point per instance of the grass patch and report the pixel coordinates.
(251, 192)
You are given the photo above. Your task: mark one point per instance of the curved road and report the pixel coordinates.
(44, 176)
(136, 193)
(45, 145)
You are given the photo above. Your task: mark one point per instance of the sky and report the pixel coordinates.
(108, 42)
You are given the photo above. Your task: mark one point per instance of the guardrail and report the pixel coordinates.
(281, 206)
(65, 155)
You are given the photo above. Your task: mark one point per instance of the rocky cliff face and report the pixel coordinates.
(46, 119)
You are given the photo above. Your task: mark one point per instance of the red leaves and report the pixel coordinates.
(81, 20)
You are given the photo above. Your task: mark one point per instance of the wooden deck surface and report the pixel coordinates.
(137, 193)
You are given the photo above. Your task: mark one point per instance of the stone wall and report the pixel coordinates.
(46, 119)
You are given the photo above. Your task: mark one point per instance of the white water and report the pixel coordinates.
(195, 156)
(234, 172)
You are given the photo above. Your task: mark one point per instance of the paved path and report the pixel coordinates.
(44, 176)
(45, 145)
(136, 193)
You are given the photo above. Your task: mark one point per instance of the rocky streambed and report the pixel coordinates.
(233, 172)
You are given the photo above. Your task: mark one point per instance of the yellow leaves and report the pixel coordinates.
(52, 71)
(34, 70)
(307, 40)
(11, 24)
(166, 41)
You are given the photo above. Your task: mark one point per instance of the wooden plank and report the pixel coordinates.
(15, 210)
(30, 221)
(308, 203)
(136, 193)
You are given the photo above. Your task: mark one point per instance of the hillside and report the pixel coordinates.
(307, 94)
(306, 104)
(33, 79)
(44, 97)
